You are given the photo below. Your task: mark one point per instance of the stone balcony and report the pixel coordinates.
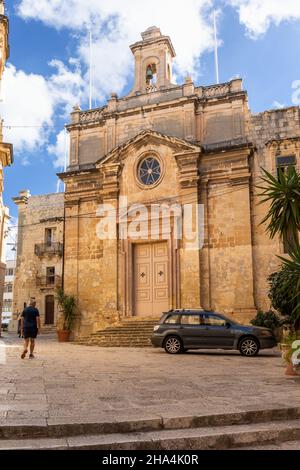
(48, 281)
(48, 249)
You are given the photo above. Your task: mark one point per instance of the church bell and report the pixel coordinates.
(149, 74)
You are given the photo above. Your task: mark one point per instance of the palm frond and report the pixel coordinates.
(283, 195)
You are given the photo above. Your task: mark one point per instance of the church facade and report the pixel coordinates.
(167, 143)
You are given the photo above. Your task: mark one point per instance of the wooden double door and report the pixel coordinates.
(151, 279)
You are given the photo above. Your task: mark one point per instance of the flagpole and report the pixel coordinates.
(91, 73)
(216, 48)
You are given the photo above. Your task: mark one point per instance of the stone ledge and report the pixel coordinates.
(222, 437)
(62, 427)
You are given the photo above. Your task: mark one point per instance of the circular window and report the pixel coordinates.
(149, 171)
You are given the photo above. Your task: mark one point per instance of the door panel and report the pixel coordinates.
(216, 333)
(192, 331)
(151, 293)
(49, 310)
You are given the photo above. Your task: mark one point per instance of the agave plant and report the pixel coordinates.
(283, 216)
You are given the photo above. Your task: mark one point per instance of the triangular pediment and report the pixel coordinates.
(145, 138)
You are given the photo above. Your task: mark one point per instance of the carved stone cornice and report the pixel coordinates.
(279, 143)
(179, 145)
(231, 166)
(6, 154)
(188, 164)
(111, 175)
(4, 22)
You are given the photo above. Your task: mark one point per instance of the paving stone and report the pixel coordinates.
(78, 382)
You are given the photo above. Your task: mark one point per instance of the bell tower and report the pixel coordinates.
(153, 62)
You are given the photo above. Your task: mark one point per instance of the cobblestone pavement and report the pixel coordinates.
(72, 383)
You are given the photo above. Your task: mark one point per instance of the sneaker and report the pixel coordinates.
(23, 355)
(31, 356)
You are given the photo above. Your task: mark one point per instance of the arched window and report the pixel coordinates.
(169, 72)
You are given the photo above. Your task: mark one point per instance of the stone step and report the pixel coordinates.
(205, 438)
(117, 344)
(129, 333)
(121, 334)
(48, 329)
(134, 322)
(65, 427)
(123, 331)
(120, 341)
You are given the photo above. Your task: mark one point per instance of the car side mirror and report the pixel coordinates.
(227, 324)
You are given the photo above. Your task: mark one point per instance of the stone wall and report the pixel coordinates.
(275, 132)
(36, 214)
(208, 114)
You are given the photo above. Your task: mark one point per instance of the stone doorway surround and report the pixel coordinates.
(126, 274)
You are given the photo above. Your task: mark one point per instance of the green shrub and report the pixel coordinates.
(267, 319)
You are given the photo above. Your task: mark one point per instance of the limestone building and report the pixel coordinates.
(166, 142)
(6, 151)
(39, 254)
(7, 310)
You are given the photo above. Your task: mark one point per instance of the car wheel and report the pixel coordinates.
(249, 347)
(173, 345)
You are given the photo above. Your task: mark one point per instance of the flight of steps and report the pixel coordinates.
(278, 427)
(127, 334)
(48, 329)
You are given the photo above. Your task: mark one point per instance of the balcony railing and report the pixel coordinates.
(48, 281)
(42, 249)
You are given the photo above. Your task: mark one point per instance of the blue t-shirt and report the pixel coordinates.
(30, 315)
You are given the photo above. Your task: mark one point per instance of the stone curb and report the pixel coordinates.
(55, 428)
(214, 438)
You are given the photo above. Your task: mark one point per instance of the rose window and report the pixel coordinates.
(149, 171)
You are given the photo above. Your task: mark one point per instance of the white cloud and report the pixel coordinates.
(296, 93)
(26, 102)
(115, 25)
(60, 149)
(277, 105)
(31, 101)
(258, 15)
(118, 23)
(66, 86)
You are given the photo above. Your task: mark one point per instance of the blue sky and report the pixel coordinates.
(260, 42)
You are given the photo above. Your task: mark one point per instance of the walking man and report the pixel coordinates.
(30, 326)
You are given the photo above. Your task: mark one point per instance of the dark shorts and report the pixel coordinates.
(30, 333)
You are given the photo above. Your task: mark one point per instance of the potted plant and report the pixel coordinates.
(289, 347)
(65, 322)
